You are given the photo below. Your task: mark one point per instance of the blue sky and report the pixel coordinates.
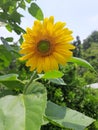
(81, 16)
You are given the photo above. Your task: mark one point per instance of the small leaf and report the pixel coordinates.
(35, 11)
(81, 62)
(28, 1)
(21, 40)
(52, 74)
(9, 27)
(22, 5)
(6, 45)
(9, 39)
(66, 117)
(58, 81)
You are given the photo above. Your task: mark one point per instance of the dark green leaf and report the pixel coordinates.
(6, 45)
(16, 17)
(66, 117)
(5, 57)
(18, 29)
(22, 5)
(9, 39)
(12, 82)
(35, 11)
(3, 16)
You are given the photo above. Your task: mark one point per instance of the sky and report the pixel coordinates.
(81, 16)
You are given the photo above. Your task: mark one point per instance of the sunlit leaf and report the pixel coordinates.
(8, 77)
(28, 1)
(22, 112)
(36, 88)
(35, 11)
(81, 62)
(66, 117)
(58, 81)
(9, 27)
(52, 74)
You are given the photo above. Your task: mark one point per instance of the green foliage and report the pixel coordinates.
(12, 82)
(52, 74)
(65, 117)
(91, 38)
(22, 111)
(24, 98)
(35, 11)
(11, 16)
(74, 94)
(5, 57)
(81, 62)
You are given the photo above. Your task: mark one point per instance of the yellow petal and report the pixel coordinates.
(60, 58)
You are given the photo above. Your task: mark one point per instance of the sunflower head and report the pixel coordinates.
(46, 45)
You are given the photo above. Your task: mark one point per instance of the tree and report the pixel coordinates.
(77, 44)
(93, 37)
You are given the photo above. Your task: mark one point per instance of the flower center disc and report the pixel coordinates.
(43, 46)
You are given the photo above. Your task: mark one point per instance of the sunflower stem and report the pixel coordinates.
(30, 81)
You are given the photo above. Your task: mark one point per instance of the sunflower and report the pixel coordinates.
(46, 45)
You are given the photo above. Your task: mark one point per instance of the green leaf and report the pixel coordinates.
(3, 16)
(36, 88)
(20, 39)
(18, 29)
(58, 81)
(11, 81)
(81, 62)
(9, 77)
(22, 5)
(66, 117)
(52, 74)
(5, 57)
(9, 27)
(9, 39)
(22, 112)
(8, 47)
(16, 17)
(28, 1)
(35, 11)
(5, 43)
